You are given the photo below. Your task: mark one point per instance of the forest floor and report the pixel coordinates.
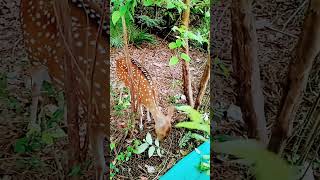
(278, 25)
(276, 38)
(155, 59)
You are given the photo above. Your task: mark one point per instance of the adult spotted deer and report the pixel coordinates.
(145, 94)
(46, 49)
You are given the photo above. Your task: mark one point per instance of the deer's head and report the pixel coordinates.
(163, 123)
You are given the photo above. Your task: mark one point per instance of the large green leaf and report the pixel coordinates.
(193, 114)
(115, 17)
(267, 165)
(194, 125)
(198, 137)
(147, 2)
(123, 10)
(170, 5)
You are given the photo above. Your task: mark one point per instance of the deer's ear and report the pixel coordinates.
(170, 111)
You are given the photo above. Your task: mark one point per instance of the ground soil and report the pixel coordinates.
(278, 26)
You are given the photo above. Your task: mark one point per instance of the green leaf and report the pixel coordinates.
(204, 166)
(57, 115)
(185, 57)
(147, 2)
(207, 14)
(170, 5)
(149, 138)
(198, 137)
(142, 148)
(76, 170)
(123, 10)
(151, 151)
(175, 28)
(156, 142)
(115, 17)
(179, 42)
(172, 45)
(47, 138)
(159, 152)
(20, 146)
(58, 133)
(193, 114)
(191, 35)
(173, 61)
(194, 125)
(267, 165)
(158, 3)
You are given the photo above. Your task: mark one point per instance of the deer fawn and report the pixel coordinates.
(146, 95)
(45, 48)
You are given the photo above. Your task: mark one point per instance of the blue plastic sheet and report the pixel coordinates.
(187, 168)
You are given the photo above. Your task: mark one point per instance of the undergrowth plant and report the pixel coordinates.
(200, 123)
(122, 103)
(136, 35)
(197, 122)
(6, 99)
(204, 165)
(265, 165)
(183, 35)
(121, 157)
(48, 128)
(150, 22)
(152, 146)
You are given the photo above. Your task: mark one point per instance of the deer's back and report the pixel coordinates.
(143, 85)
(45, 46)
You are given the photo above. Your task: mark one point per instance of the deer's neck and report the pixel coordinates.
(158, 116)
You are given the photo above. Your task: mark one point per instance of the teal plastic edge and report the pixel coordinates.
(187, 167)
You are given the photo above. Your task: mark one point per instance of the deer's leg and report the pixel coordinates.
(97, 139)
(121, 91)
(141, 117)
(34, 105)
(38, 75)
(148, 115)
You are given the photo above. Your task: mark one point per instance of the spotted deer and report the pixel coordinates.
(145, 94)
(46, 49)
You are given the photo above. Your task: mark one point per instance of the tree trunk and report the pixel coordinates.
(185, 65)
(126, 52)
(64, 21)
(246, 68)
(308, 48)
(203, 84)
